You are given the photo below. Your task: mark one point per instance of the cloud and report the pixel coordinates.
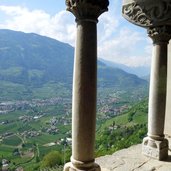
(115, 42)
(120, 41)
(127, 47)
(106, 26)
(59, 26)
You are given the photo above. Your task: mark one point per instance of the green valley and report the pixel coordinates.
(28, 134)
(35, 103)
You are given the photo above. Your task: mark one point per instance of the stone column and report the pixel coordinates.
(168, 104)
(155, 16)
(155, 145)
(84, 83)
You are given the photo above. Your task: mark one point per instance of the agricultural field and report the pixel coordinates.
(13, 140)
(122, 131)
(27, 135)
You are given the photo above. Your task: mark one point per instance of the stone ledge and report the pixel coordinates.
(131, 159)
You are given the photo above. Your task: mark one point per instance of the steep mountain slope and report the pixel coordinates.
(115, 77)
(34, 59)
(32, 63)
(140, 71)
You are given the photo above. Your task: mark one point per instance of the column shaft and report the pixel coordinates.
(157, 97)
(84, 92)
(85, 83)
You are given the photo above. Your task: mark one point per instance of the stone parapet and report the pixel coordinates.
(131, 159)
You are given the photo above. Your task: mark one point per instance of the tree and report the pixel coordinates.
(52, 159)
(0, 163)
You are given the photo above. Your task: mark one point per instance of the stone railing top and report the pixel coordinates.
(147, 13)
(87, 9)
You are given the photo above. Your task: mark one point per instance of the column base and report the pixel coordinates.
(71, 167)
(157, 149)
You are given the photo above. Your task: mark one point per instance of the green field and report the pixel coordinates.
(12, 141)
(122, 131)
(130, 129)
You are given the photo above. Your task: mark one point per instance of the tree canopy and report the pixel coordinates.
(52, 159)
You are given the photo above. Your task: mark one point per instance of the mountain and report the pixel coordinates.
(118, 78)
(33, 66)
(140, 71)
(33, 59)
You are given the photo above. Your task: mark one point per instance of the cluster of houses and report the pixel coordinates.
(4, 135)
(9, 106)
(111, 111)
(30, 134)
(62, 120)
(52, 130)
(5, 166)
(27, 118)
(5, 122)
(65, 142)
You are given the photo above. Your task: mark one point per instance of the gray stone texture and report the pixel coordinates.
(147, 13)
(131, 159)
(155, 15)
(168, 108)
(85, 83)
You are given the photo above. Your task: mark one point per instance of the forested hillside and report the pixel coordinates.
(35, 103)
(30, 63)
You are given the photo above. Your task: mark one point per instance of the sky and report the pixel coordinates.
(118, 40)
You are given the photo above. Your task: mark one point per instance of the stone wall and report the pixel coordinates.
(168, 108)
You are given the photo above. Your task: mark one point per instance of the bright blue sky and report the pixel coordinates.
(118, 40)
(50, 6)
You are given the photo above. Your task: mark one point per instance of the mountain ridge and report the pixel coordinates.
(140, 71)
(34, 61)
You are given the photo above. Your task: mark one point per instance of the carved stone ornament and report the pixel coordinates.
(147, 13)
(155, 149)
(87, 9)
(160, 34)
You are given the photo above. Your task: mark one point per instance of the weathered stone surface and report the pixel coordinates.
(155, 145)
(147, 13)
(160, 34)
(85, 83)
(168, 106)
(87, 9)
(155, 149)
(132, 159)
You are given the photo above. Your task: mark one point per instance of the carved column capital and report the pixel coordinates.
(160, 34)
(87, 9)
(147, 13)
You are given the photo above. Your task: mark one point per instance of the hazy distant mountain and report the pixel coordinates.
(29, 62)
(140, 71)
(147, 78)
